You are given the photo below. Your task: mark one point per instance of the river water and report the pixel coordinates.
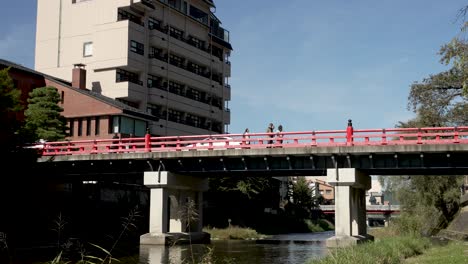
(281, 249)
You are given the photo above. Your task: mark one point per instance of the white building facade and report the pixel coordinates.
(169, 58)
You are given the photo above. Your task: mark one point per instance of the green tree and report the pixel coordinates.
(250, 187)
(438, 100)
(302, 194)
(43, 116)
(9, 107)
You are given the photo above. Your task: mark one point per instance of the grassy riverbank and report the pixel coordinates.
(453, 253)
(391, 247)
(388, 251)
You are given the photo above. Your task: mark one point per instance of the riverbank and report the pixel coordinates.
(388, 250)
(391, 248)
(453, 252)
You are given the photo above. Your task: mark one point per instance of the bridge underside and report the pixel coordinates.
(266, 165)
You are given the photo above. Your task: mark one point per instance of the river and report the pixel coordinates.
(281, 249)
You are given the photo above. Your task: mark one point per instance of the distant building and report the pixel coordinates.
(89, 115)
(169, 58)
(320, 188)
(375, 195)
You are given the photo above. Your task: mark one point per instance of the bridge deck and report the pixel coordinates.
(409, 151)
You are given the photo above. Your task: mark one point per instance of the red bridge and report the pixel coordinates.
(320, 138)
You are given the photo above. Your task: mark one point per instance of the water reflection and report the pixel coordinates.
(293, 248)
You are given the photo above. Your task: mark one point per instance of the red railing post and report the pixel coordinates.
(147, 141)
(419, 136)
(94, 146)
(349, 133)
(455, 135)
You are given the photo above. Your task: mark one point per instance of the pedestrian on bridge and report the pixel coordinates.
(270, 130)
(279, 134)
(246, 136)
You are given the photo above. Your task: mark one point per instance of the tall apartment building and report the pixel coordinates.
(169, 58)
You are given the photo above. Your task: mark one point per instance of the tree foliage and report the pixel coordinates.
(251, 187)
(441, 99)
(438, 100)
(43, 116)
(302, 194)
(9, 106)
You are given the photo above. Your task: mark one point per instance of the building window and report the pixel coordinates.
(192, 120)
(62, 97)
(174, 4)
(80, 127)
(88, 126)
(176, 61)
(185, 8)
(97, 125)
(78, 1)
(156, 82)
(195, 68)
(87, 49)
(153, 23)
(176, 88)
(157, 53)
(198, 15)
(196, 42)
(72, 127)
(155, 110)
(175, 116)
(328, 191)
(124, 15)
(176, 33)
(126, 76)
(137, 47)
(194, 94)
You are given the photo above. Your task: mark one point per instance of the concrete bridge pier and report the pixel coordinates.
(350, 206)
(170, 195)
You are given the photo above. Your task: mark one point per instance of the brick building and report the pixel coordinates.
(89, 115)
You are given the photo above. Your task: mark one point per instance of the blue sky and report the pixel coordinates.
(308, 65)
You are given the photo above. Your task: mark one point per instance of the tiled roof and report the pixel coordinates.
(126, 109)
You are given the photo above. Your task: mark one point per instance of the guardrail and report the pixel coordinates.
(374, 208)
(320, 138)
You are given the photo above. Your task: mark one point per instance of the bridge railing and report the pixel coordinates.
(320, 138)
(372, 208)
(410, 136)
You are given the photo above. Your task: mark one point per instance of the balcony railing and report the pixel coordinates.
(129, 79)
(220, 33)
(207, 74)
(158, 56)
(165, 30)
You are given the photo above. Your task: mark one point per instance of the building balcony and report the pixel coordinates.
(227, 92)
(146, 4)
(187, 43)
(220, 33)
(128, 79)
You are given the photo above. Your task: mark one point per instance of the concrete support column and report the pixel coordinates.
(158, 211)
(169, 195)
(200, 211)
(350, 208)
(387, 220)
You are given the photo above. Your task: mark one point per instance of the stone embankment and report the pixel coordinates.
(458, 229)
